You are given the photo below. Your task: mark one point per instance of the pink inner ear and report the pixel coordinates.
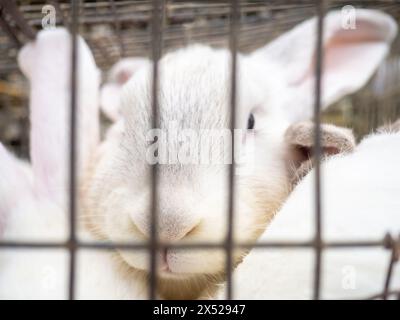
(123, 76)
(330, 151)
(352, 48)
(348, 50)
(348, 67)
(350, 59)
(364, 31)
(301, 153)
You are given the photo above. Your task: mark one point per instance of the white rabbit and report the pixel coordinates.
(275, 90)
(33, 197)
(360, 202)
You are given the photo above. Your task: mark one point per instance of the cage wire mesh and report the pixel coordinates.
(116, 29)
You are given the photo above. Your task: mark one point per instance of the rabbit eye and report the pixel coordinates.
(250, 122)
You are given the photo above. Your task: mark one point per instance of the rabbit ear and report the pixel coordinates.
(351, 56)
(15, 183)
(47, 64)
(119, 74)
(299, 138)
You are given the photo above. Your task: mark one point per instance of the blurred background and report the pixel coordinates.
(115, 29)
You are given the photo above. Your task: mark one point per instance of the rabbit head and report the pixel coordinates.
(275, 90)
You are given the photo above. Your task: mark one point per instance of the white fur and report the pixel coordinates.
(47, 63)
(32, 197)
(200, 192)
(15, 175)
(195, 93)
(360, 202)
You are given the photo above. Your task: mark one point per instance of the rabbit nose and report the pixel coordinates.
(175, 227)
(171, 227)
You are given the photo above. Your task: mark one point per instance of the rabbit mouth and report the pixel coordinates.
(165, 267)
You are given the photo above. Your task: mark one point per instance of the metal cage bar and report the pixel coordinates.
(394, 258)
(72, 243)
(156, 53)
(320, 6)
(349, 244)
(229, 248)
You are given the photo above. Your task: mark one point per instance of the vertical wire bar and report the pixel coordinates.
(389, 275)
(234, 22)
(393, 259)
(320, 6)
(73, 150)
(156, 53)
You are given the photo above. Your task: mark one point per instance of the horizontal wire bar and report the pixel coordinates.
(203, 245)
(381, 295)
